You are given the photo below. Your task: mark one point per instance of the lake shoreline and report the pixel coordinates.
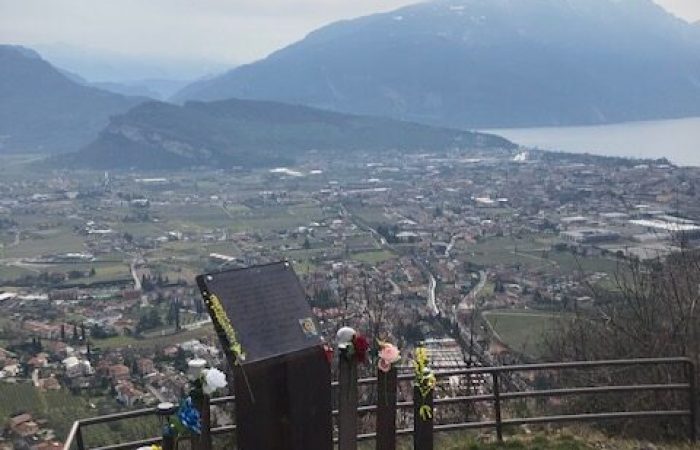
(675, 139)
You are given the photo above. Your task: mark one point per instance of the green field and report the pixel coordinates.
(238, 217)
(104, 271)
(370, 214)
(532, 252)
(154, 342)
(373, 257)
(57, 240)
(9, 273)
(523, 331)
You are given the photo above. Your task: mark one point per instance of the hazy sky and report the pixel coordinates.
(223, 31)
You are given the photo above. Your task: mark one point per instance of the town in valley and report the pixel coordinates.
(477, 254)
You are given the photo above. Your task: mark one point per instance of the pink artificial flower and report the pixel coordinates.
(389, 353)
(384, 365)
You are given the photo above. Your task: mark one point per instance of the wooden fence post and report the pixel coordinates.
(422, 424)
(386, 410)
(202, 404)
(693, 401)
(79, 439)
(164, 411)
(347, 400)
(168, 443)
(497, 405)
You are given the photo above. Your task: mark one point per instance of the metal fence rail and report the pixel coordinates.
(347, 418)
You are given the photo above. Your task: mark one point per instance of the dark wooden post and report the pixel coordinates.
(497, 405)
(203, 441)
(386, 410)
(168, 443)
(164, 411)
(347, 401)
(693, 401)
(79, 439)
(422, 426)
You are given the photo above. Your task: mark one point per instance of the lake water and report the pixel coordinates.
(678, 139)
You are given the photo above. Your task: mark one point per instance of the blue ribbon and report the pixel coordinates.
(189, 416)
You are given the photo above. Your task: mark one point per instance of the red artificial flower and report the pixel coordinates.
(361, 346)
(328, 350)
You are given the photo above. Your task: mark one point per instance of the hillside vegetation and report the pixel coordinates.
(250, 133)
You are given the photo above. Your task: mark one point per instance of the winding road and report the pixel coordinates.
(432, 287)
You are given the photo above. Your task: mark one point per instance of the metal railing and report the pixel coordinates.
(497, 397)
(348, 410)
(75, 436)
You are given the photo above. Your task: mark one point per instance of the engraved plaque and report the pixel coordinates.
(283, 388)
(267, 307)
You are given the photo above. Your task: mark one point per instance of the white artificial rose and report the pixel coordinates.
(345, 335)
(214, 379)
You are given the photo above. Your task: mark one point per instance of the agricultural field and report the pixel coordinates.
(155, 341)
(373, 215)
(9, 273)
(373, 257)
(532, 252)
(235, 218)
(55, 240)
(523, 331)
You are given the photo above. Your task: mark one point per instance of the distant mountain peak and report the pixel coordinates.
(44, 110)
(486, 63)
(20, 50)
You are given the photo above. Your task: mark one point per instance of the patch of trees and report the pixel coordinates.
(100, 332)
(411, 331)
(389, 232)
(322, 298)
(149, 283)
(149, 321)
(653, 311)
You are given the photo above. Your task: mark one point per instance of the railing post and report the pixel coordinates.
(347, 400)
(79, 438)
(422, 423)
(693, 401)
(497, 405)
(168, 443)
(386, 409)
(203, 441)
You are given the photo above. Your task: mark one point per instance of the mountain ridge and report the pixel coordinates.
(250, 133)
(44, 110)
(481, 64)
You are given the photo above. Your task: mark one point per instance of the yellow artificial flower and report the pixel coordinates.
(224, 323)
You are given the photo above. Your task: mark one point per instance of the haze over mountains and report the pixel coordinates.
(249, 133)
(48, 110)
(487, 63)
(447, 63)
(43, 110)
